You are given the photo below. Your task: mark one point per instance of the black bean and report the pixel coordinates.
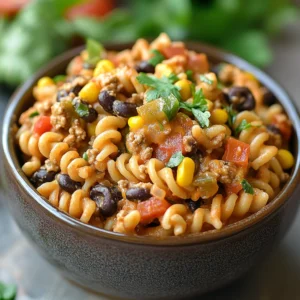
(41, 176)
(193, 205)
(61, 94)
(76, 89)
(124, 109)
(145, 67)
(106, 100)
(106, 199)
(241, 98)
(92, 116)
(138, 194)
(67, 184)
(154, 223)
(269, 98)
(274, 129)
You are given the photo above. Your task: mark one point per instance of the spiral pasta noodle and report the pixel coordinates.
(77, 204)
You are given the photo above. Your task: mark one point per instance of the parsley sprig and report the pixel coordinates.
(156, 58)
(242, 126)
(161, 87)
(34, 114)
(82, 109)
(198, 107)
(94, 50)
(205, 79)
(231, 115)
(175, 160)
(247, 187)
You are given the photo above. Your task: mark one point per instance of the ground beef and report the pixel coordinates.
(51, 166)
(58, 116)
(224, 171)
(76, 134)
(136, 144)
(110, 83)
(189, 143)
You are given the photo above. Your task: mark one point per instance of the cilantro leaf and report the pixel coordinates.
(85, 156)
(242, 126)
(34, 114)
(7, 291)
(59, 78)
(247, 187)
(170, 106)
(161, 87)
(199, 99)
(175, 160)
(189, 74)
(173, 78)
(156, 58)
(202, 117)
(82, 110)
(231, 115)
(203, 78)
(94, 50)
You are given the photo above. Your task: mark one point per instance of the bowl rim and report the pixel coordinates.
(251, 221)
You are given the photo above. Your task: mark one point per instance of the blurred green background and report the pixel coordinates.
(34, 31)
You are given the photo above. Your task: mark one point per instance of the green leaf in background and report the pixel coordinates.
(59, 78)
(94, 50)
(7, 291)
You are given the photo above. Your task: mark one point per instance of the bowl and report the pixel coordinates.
(138, 267)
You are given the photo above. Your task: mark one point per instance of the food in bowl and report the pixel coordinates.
(155, 140)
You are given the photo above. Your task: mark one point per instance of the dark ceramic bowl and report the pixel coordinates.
(141, 267)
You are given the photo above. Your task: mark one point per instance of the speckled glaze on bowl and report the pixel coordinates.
(142, 267)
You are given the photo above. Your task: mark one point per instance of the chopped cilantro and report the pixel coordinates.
(247, 187)
(156, 58)
(198, 107)
(85, 156)
(34, 114)
(7, 291)
(231, 115)
(242, 126)
(203, 78)
(59, 78)
(94, 50)
(173, 78)
(82, 110)
(161, 87)
(189, 74)
(175, 160)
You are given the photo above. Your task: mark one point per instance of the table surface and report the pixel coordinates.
(277, 278)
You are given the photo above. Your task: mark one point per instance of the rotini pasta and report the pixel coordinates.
(149, 141)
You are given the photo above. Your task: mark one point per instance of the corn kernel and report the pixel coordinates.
(185, 172)
(209, 105)
(135, 122)
(285, 158)
(45, 81)
(90, 92)
(185, 88)
(219, 116)
(91, 128)
(250, 76)
(163, 70)
(103, 66)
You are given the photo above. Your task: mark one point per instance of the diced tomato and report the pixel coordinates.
(181, 126)
(172, 144)
(283, 125)
(152, 208)
(90, 8)
(233, 188)
(236, 152)
(11, 7)
(42, 125)
(174, 49)
(198, 62)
